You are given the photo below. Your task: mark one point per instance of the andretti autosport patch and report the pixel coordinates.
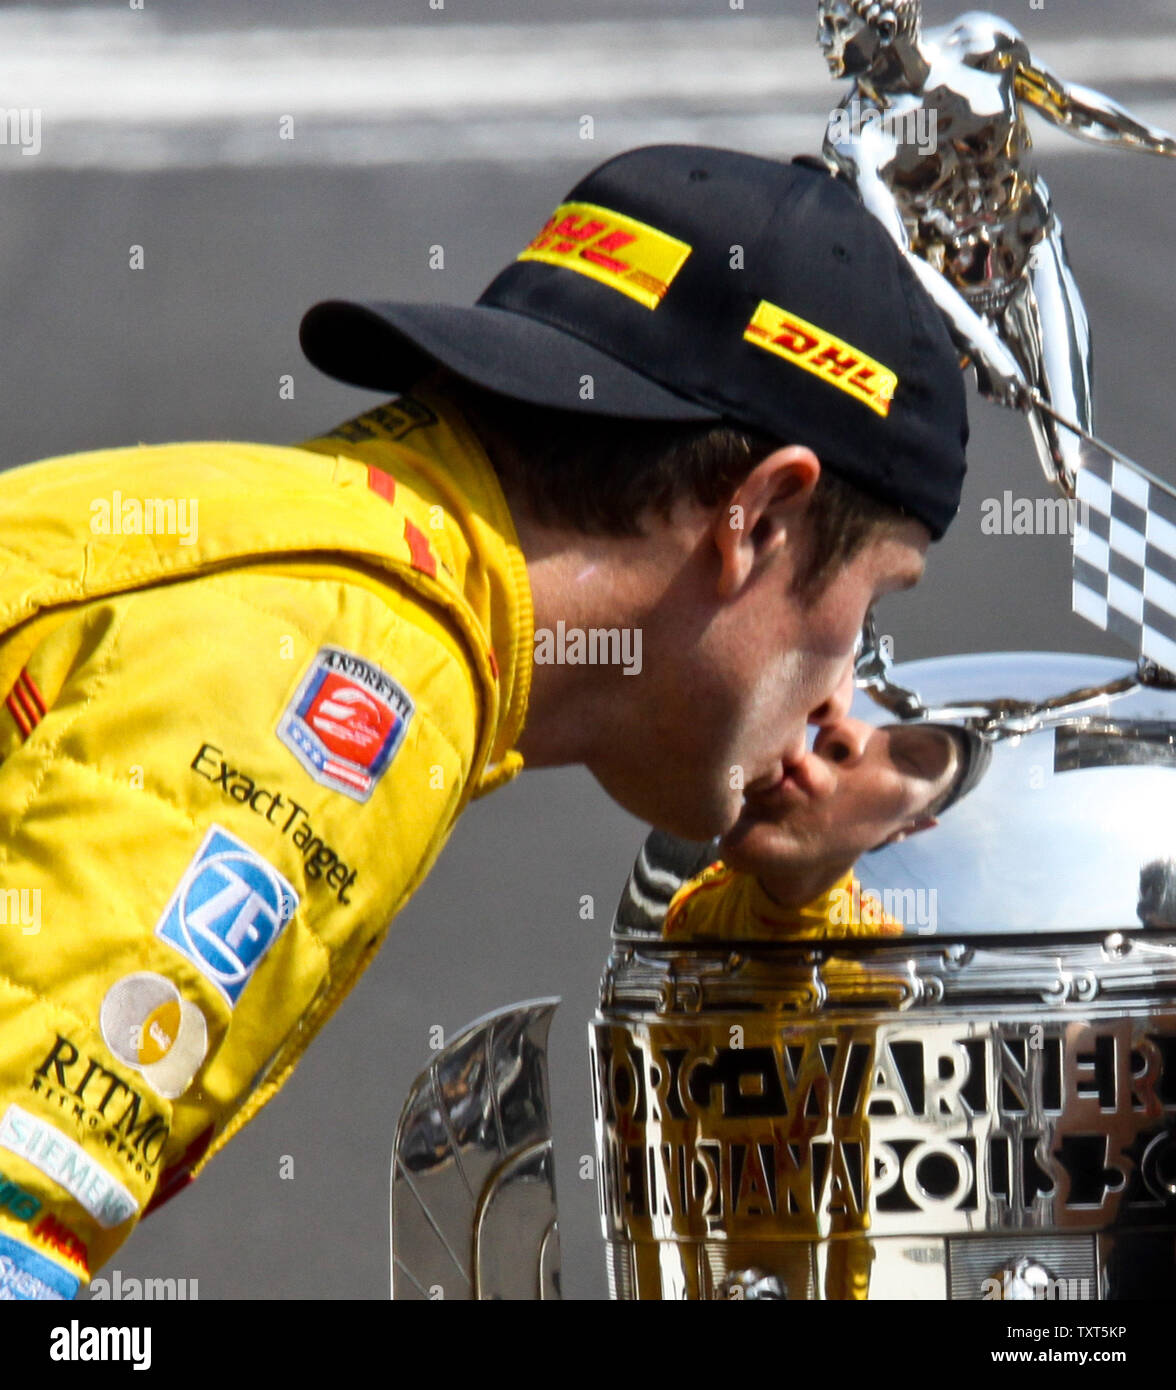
(346, 721)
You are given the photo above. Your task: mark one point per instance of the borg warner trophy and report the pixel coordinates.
(953, 1074)
(975, 1100)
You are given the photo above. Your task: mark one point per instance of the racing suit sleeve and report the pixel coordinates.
(214, 796)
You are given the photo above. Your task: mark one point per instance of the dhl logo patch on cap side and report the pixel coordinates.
(619, 251)
(822, 353)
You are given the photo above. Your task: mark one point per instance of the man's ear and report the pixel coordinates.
(763, 511)
(912, 828)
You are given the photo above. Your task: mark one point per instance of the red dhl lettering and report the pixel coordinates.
(823, 354)
(586, 238)
(569, 240)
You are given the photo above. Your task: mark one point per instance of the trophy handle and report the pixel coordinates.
(472, 1194)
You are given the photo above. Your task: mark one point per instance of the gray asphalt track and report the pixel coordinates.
(192, 347)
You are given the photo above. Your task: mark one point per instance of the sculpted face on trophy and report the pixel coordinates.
(851, 45)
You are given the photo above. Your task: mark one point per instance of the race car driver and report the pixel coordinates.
(248, 689)
(786, 870)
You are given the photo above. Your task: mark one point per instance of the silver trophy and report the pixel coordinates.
(472, 1201)
(976, 1102)
(970, 1092)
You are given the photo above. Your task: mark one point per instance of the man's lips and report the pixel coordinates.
(794, 779)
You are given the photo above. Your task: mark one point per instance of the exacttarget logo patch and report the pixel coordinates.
(815, 350)
(619, 251)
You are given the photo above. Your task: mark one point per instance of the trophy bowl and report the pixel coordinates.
(978, 1105)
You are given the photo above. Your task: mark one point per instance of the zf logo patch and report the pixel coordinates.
(345, 722)
(230, 908)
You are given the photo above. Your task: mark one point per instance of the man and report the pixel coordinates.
(786, 871)
(964, 196)
(707, 406)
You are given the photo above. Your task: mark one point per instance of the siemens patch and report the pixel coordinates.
(229, 909)
(57, 1156)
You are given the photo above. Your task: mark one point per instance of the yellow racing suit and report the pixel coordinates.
(246, 691)
(722, 903)
(728, 905)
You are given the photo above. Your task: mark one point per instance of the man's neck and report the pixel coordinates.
(577, 585)
(802, 886)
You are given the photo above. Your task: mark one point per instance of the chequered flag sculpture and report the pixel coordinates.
(1125, 554)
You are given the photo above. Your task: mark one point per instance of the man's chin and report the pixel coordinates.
(743, 838)
(696, 821)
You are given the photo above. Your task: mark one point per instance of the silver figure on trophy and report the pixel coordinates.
(933, 135)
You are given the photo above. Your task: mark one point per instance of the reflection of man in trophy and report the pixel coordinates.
(787, 875)
(787, 866)
(965, 201)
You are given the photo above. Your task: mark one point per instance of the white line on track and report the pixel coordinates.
(117, 90)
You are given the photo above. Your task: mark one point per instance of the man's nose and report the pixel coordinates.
(843, 742)
(836, 707)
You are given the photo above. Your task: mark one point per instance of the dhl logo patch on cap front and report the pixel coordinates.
(619, 251)
(822, 353)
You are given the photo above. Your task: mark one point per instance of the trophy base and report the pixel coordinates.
(1053, 1268)
(914, 1121)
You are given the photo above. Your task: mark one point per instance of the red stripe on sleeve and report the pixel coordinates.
(31, 687)
(18, 714)
(420, 556)
(382, 483)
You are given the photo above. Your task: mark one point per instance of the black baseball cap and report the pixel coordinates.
(679, 283)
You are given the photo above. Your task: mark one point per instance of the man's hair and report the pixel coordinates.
(974, 757)
(600, 475)
(907, 15)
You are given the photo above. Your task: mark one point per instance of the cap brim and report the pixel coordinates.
(386, 347)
